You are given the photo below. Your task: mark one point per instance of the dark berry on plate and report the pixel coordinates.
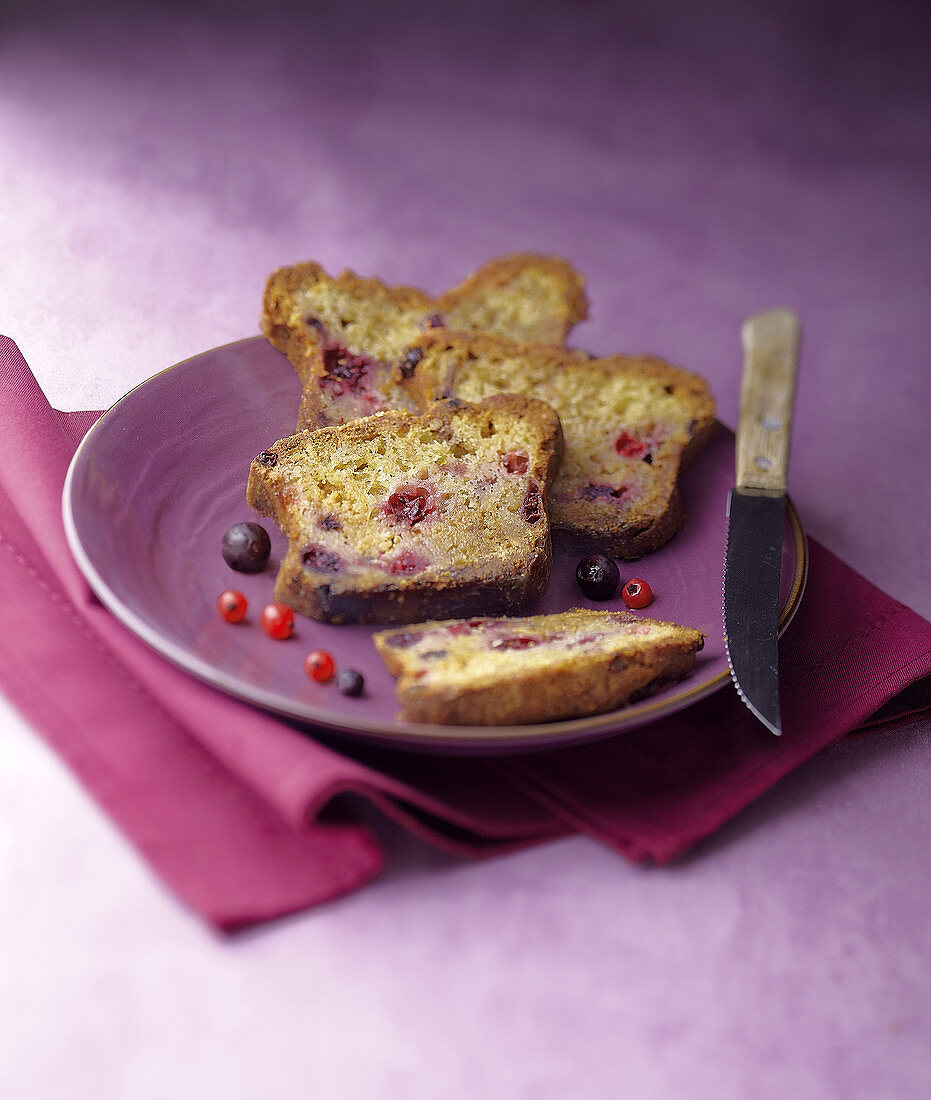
(268, 458)
(350, 682)
(598, 576)
(433, 321)
(637, 593)
(319, 665)
(277, 620)
(246, 547)
(232, 606)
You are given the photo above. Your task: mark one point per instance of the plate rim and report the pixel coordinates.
(404, 734)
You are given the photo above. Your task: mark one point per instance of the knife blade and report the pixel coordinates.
(756, 510)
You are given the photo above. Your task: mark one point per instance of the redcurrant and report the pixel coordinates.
(637, 593)
(277, 620)
(628, 446)
(232, 606)
(319, 665)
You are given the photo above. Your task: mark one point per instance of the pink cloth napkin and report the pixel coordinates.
(247, 819)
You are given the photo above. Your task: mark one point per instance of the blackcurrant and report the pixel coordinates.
(598, 576)
(350, 682)
(246, 547)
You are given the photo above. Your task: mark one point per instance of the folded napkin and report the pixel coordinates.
(247, 818)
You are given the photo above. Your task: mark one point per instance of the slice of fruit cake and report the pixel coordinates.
(630, 424)
(398, 516)
(540, 668)
(346, 334)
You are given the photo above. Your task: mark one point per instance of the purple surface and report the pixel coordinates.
(163, 475)
(698, 163)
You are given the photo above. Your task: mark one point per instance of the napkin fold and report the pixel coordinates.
(246, 817)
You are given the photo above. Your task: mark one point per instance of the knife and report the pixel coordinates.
(756, 510)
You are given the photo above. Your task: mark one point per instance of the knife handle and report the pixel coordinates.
(770, 345)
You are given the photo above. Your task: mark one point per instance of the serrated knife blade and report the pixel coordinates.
(756, 510)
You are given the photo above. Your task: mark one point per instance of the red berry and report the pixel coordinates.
(277, 620)
(515, 641)
(410, 503)
(407, 562)
(637, 593)
(532, 508)
(232, 606)
(628, 446)
(319, 666)
(342, 369)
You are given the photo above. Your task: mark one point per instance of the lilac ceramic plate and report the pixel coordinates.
(162, 475)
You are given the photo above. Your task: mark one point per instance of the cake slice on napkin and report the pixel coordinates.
(344, 334)
(541, 668)
(398, 517)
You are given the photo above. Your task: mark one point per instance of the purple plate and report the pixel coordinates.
(162, 475)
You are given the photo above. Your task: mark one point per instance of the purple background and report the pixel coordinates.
(698, 162)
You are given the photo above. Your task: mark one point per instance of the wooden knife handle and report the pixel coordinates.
(770, 344)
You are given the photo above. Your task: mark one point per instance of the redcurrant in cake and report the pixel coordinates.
(398, 517)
